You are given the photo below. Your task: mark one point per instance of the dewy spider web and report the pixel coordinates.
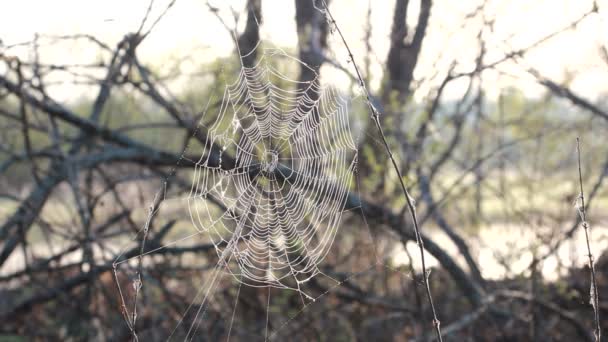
(284, 193)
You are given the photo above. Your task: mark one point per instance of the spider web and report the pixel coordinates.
(269, 192)
(284, 191)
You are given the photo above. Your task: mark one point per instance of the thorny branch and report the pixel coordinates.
(376, 118)
(594, 293)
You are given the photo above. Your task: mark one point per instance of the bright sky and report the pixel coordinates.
(190, 30)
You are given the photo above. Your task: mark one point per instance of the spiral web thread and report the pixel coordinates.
(284, 193)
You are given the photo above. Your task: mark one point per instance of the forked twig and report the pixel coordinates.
(410, 204)
(581, 210)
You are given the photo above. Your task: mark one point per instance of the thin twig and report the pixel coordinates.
(594, 292)
(376, 118)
